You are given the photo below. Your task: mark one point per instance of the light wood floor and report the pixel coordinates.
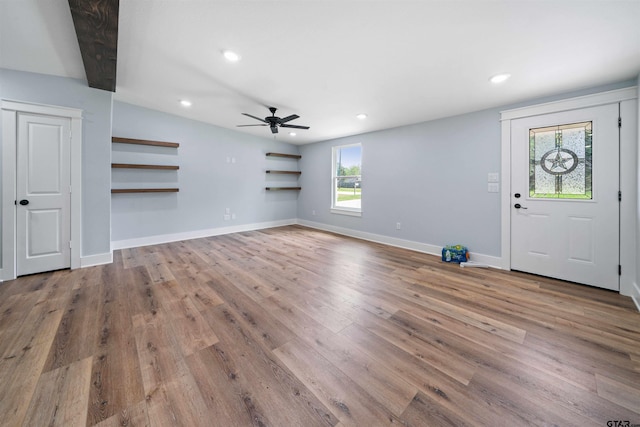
(297, 327)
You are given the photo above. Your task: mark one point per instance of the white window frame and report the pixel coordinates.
(342, 210)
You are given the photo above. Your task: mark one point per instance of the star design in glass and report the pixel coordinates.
(559, 162)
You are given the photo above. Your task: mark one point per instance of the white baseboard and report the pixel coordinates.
(98, 259)
(635, 295)
(197, 234)
(491, 261)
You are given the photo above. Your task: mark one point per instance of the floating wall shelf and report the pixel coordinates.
(144, 142)
(283, 172)
(144, 190)
(282, 188)
(134, 166)
(290, 156)
(119, 140)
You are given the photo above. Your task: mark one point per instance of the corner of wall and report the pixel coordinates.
(98, 259)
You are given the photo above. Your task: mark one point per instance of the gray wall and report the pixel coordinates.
(96, 143)
(637, 284)
(208, 183)
(431, 177)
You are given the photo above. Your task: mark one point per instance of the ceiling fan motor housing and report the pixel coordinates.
(274, 122)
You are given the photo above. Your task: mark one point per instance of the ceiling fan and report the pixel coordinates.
(275, 122)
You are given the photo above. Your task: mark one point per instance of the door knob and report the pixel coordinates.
(24, 202)
(519, 206)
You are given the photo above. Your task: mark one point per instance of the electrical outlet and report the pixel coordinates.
(227, 217)
(233, 160)
(227, 210)
(398, 226)
(233, 216)
(493, 187)
(493, 177)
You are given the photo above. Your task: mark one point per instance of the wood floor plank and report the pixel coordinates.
(297, 326)
(134, 416)
(444, 392)
(351, 404)
(199, 288)
(171, 393)
(61, 396)
(13, 310)
(468, 316)
(191, 330)
(23, 360)
(116, 382)
(524, 408)
(77, 334)
(438, 350)
(281, 395)
(371, 375)
(619, 392)
(260, 322)
(422, 410)
(226, 396)
(141, 291)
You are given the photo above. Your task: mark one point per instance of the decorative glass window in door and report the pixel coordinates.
(560, 161)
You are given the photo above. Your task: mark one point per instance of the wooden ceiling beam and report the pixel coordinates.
(96, 23)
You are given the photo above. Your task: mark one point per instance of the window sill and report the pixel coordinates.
(347, 212)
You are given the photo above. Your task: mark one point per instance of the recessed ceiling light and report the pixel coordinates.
(292, 134)
(231, 56)
(361, 116)
(185, 103)
(499, 78)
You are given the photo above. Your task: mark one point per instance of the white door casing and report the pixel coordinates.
(570, 239)
(43, 181)
(11, 110)
(627, 99)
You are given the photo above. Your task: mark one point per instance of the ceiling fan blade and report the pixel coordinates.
(289, 118)
(294, 126)
(274, 129)
(242, 126)
(254, 117)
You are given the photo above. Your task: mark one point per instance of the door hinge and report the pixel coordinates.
(619, 196)
(70, 245)
(619, 122)
(619, 270)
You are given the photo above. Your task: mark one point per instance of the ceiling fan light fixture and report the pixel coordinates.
(499, 78)
(361, 116)
(230, 56)
(185, 103)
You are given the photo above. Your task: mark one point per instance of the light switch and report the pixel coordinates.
(493, 177)
(493, 187)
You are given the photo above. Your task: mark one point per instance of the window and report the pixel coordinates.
(347, 180)
(560, 161)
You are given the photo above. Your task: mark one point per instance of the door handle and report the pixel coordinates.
(24, 202)
(519, 206)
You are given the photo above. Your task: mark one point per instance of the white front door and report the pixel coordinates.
(43, 194)
(564, 195)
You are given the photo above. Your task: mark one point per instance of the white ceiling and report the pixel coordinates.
(400, 62)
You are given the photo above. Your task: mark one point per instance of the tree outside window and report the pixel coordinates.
(347, 178)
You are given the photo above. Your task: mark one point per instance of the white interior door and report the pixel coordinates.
(564, 195)
(43, 194)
